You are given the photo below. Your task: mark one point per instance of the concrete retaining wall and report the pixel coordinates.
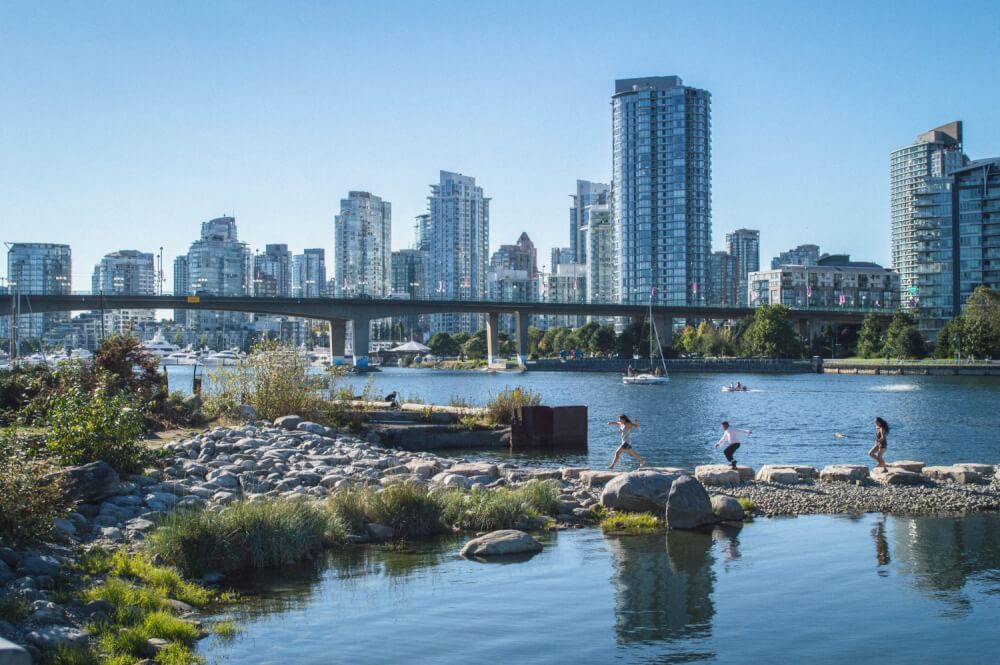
(727, 365)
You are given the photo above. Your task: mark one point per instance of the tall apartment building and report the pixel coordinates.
(362, 246)
(661, 189)
(408, 279)
(559, 256)
(726, 278)
(566, 284)
(182, 285)
(39, 268)
(934, 154)
(522, 255)
(600, 257)
(587, 194)
(803, 255)
(957, 226)
(219, 265)
(125, 272)
(272, 272)
(457, 239)
(744, 246)
(309, 273)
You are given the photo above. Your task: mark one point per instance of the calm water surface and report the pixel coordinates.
(938, 420)
(812, 589)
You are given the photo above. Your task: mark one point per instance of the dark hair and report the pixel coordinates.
(725, 423)
(623, 417)
(881, 423)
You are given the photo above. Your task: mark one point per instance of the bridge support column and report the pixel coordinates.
(521, 336)
(338, 337)
(492, 341)
(361, 329)
(664, 330)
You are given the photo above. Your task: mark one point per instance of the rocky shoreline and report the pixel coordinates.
(295, 459)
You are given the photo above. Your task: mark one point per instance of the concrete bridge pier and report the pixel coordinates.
(664, 330)
(362, 341)
(492, 339)
(338, 338)
(521, 336)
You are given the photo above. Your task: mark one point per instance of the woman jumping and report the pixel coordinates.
(625, 426)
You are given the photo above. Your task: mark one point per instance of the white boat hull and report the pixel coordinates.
(645, 380)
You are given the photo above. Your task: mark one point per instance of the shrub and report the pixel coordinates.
(90, 425)
(748, 505)
(27, 504)
(409, 508)
(505, 406)
(631, 523)
(242, 536)
(22, 393)
(13, 609)
(273, 379)
(488, 510)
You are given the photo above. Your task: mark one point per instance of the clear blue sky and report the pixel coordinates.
(123, 125)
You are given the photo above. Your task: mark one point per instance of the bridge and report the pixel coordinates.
(361, 311)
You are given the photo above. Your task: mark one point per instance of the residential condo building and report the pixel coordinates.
(661, 190)
(935, 153)
(834, 282)
(725, 278)
(218, 264)
(309, 273)
(125, 272)
(272, 272)
(362, 246)
(39, 268)
(744, 246)
(587, 194)
(803, 255)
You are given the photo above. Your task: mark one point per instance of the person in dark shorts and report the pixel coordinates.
(877, 451)
(625, 427)
(731, 437)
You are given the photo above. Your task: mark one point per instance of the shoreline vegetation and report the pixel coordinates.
(111, 552)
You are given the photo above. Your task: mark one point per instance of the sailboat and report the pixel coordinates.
(650, 378)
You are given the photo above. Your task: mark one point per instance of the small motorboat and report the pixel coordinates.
(645, 380)
(734, 389)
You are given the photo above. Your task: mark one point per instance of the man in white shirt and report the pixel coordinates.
(731, 435)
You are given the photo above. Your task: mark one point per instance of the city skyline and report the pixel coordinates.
(119, 156)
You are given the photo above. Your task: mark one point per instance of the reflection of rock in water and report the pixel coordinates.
(941, 553)
(663, 593)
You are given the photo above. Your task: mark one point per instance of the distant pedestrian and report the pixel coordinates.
(391, 399)
(625, 427)
(877, 451)
(731, 436)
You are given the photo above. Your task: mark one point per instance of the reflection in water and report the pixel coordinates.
(942, 554)
(881, 545)
(663, 593)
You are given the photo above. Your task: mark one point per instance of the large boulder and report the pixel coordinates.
(784, 475)
(688, 504)
(501, 543)
(638, 491)
(598, 478)
(898, 476)
(952, 474)
(717, 474)
(727, 508)
(474, 469)
(287, 422)
(982, 469)
(844, 473)
(89, 483)
(13, 654)
(52, 637)
(907, 465)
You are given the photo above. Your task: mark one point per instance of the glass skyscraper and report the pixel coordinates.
(362, 246)
(934, 154)
(661, 190)
(39, 268)
(587, 194)
(125, 272)
(744, 246)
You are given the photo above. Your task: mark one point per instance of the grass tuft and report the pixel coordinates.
(67, 655)
(226, 630)
(178, 654)
(168, 627)
(631, 523)
(12, 609)
(497, 509)
(242, 536)
(748, 505)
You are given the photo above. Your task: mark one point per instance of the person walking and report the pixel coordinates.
(625, 427)
(731, 436)
(877, 451)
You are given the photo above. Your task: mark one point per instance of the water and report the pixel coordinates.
(938, 420)
(815, 589)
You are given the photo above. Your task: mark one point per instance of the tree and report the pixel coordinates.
(602, 342)
(771, 334)
(442, 345)
(903, 340)
(949, 339)
(982, 323)
(534, 337)
(461, 338)
(870, 341)
(688, 339)
(475, 347)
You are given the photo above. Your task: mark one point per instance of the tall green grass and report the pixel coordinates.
(243, 536)
(487, 510)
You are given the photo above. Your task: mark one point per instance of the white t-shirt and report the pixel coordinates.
(731, 435)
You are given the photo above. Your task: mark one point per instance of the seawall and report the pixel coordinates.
(911, 368)
(678, 365)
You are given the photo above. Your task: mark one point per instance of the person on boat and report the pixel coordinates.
(739, 386)
(731, 436)
(658, 372)
(625, 427)
(877, 451)
(630, 370)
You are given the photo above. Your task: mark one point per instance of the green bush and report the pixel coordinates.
(27, 504)
(96, 424)
(243, 536)
(23, 389)
(505, 406)
(410, 509)
(488, 510)
(748, 505)
(273, 379)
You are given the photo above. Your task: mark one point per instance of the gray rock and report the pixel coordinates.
(727, 508)
(688, 505)
(774, 473)
(64, 526)
(39, 564)
(501, 543)
(907, 465)
(474, 469)
(6, 574)
(53, 637)
(13, 654)
(313, 428)
(287, 422)
(450, 480)
(46, 613)
(598, 478)
(981, 469)
(845, 473)
(10, 557)
(89, 483)
(98, 607)
(717, 475)
(638, 491)
(898, 476)
(952, 474)
(140, 524)
(112, 533)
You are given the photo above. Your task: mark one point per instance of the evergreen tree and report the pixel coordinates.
(903, 340)
(443, 344)
(870, 341)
